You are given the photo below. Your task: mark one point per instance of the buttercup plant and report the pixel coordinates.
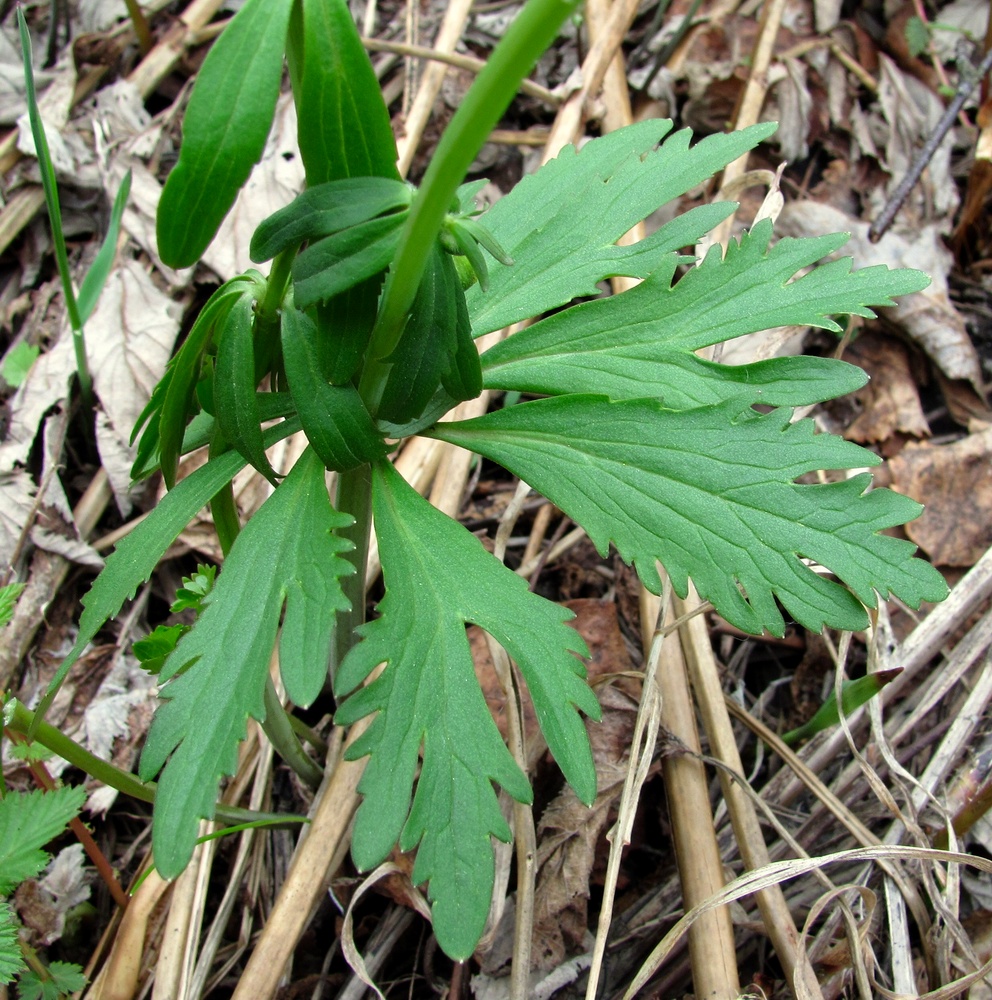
(363, 333)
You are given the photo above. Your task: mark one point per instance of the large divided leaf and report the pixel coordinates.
(286, 556)
(710, 494)
(643, 342)
(28, 821)
(561, 224)
(137, 554)
(438, 577)
(224, 129)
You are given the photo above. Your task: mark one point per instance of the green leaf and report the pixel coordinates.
(334, 417)
(917, 35)
(339, 262)
(137, 554)
(8, 599)
(643, 342)
(286, 556)
(561, 224)
(436, 347)
(157, 646)
(235, 380)
(63, 979)
(439, 577)
(168, 409)
(18, 362)
(326, 209)
(710, 494)
(28, 821)
(11, 960)
(348, 132)
(194, 589)
(224, 129)
(96, 276)
(854, 694)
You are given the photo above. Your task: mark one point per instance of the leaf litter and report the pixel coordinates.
(849, 144)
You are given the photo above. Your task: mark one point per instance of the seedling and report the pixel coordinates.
(362, 333)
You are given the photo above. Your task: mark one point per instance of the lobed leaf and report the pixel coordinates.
(28, 821)
(643, 342)
(439, 577)
(224, 129)
(710, 494)
(11, 959)
(286, 556)
(561, 225)
(137, 554)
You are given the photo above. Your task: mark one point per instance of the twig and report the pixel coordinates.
(965, 86)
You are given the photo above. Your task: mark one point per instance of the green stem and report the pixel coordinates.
(54, 214)
(19, 719)
(280, 733)
(354, 496)
(530, 34)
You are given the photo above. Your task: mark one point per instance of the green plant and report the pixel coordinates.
(78, 307)
(363, 333)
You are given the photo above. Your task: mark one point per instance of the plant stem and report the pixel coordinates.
(19, 719)
(530, 34)
(280, 733)
(354, 496)
(54, 215)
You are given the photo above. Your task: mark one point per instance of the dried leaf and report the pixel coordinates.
(954, 482)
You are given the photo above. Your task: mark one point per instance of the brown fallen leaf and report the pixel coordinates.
(890, 402)
(955, 482)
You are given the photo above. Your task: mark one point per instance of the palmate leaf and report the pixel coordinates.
(28, 821)
(709, 493)
(642, 342)
(438, 577)
(287, 555)
(561, 224)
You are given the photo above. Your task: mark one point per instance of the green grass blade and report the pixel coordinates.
(96, 276)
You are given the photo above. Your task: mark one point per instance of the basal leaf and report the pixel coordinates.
(286, 556)
(236, 379)
(348, 132)
(710, 493)
(137, 554)
(11, 959)
(439, 577)
(224, 129)
(561, 224)
(96, 277)
(643, 342)
(337, 424)
(28, 821)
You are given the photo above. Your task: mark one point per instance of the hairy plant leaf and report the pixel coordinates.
(337, 424)
(137, 554)
(235, 381)
(436, 347)
(11, 959)
(643, 342)
(224, 129)
(28, 821)
(710, 494)
(286, 556)
(561, 224)
(439, 577)
(326, 209)
(339, 262)
(348, 132)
